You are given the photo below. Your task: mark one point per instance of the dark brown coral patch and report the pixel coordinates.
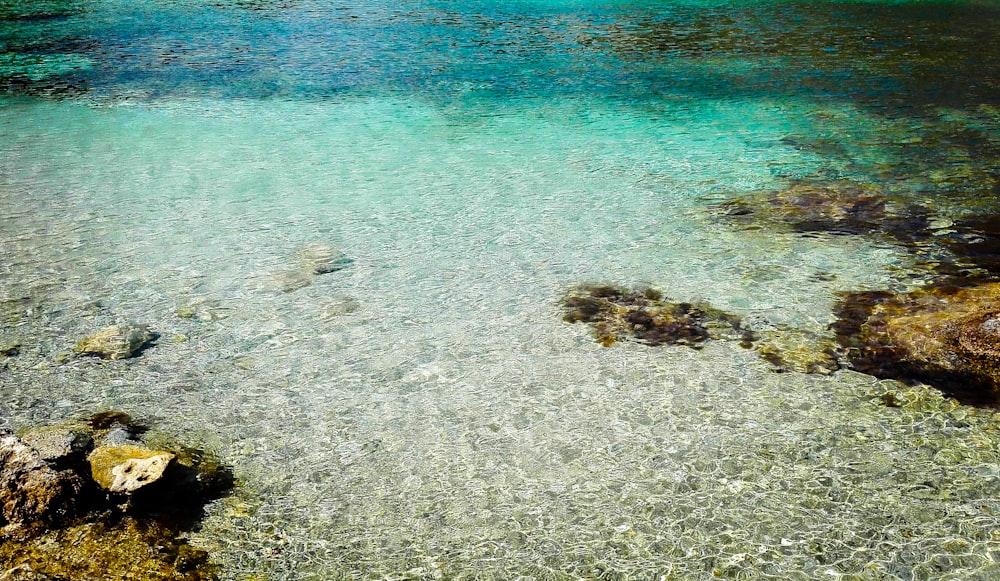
(643, 316)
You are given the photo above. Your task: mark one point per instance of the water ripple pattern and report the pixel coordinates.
(423, 411)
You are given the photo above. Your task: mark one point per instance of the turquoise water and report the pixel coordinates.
(425, 413)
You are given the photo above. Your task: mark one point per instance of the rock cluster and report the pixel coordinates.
(92, 500)
(644, 316)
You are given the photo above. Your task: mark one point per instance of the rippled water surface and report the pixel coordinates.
(425, 412)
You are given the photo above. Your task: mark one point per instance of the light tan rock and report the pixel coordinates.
(125, 469)
(118, 342)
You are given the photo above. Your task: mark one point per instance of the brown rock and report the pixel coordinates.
(33, 494)
(122, 549)
(832, 206)
(644, 316)
(948, 337)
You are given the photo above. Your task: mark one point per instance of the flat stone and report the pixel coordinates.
(125, 469)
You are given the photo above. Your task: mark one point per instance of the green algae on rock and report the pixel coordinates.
(946, 336)
(117, 342)
(124, 548)
(118, 519)
(644, 316)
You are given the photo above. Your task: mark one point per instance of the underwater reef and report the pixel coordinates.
(94, 500)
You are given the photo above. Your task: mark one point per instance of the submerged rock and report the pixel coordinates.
(312, 260)
(839, 207)
(23, 573)
(946, 336)
(59, 444)
(126, 548)
(290, 280)
(118, 342)
(795, 351)
(319, 258)
(975, 242)
(618, 314)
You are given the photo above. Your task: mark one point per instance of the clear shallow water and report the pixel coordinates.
(425, 412)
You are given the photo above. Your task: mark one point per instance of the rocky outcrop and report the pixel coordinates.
(117, 342)
(946, 336)
(33, 494)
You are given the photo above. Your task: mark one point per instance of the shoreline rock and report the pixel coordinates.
(33, 494)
